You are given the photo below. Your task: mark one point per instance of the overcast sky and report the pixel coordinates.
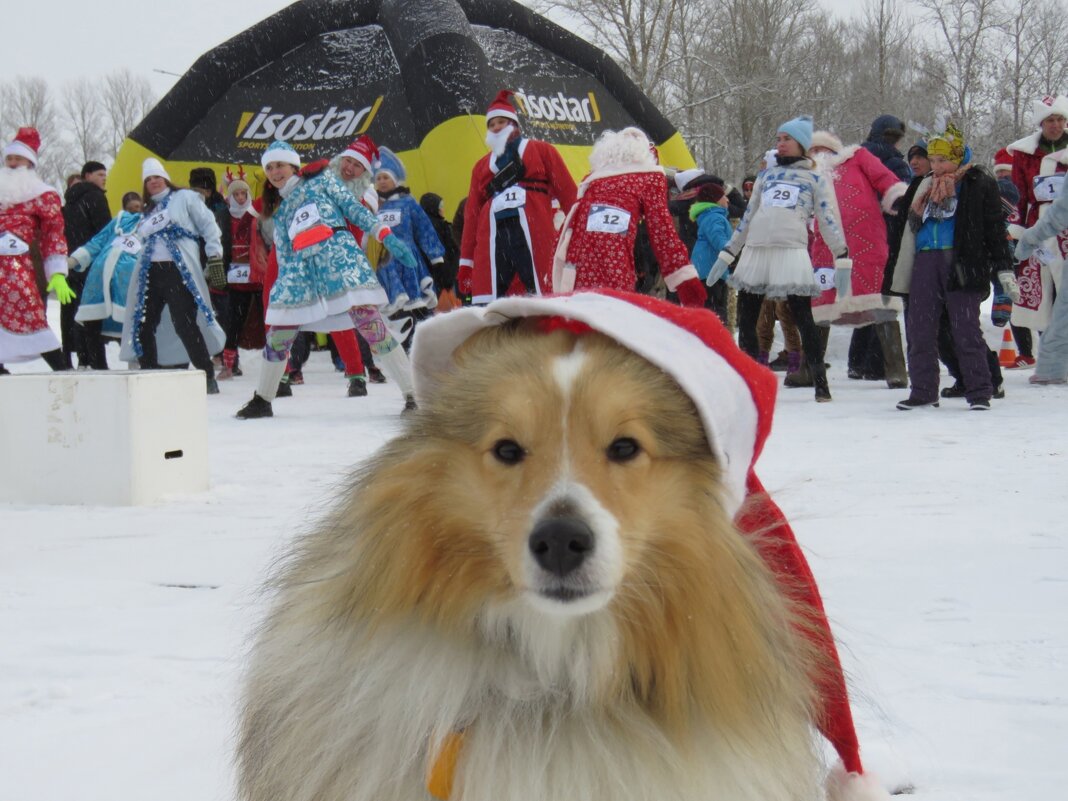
(62, 40)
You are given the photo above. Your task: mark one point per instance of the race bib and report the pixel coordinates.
(154, 222)
(1048, 187)
(390, 218)
(608, 219)
(304, 219)
(128, 243)
(1044, 255)
(11, 245)
(238, 274)
(514, 197)
(940, 211)
(781, 194)
(825, 278)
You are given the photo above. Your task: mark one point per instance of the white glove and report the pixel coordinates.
(843, 276)
(719, 269)
(1010, 286)
(1024, 249)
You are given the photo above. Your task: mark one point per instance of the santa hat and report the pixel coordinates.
(1048, 106)
(392, 166)
(1002, 160)
(735, 398)
(363, 150)
(502, 106)
(280, 151)
(683, 177)
(27, 143)
(152, 167)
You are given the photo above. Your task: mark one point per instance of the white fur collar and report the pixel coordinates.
(20, 185)
(841, 157)
(612, 172)
(1029, 144)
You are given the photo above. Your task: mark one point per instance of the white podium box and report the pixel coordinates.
(110, 438)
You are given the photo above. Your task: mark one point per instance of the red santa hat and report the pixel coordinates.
(364, 150)
(735, 398)
(1002, 160)
(502, 107)
(27, 143)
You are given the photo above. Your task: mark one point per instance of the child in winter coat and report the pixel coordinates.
(407, 287)
(714, 229)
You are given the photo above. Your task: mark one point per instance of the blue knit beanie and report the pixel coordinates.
(800, 130)
(388, 162)
(280, 151)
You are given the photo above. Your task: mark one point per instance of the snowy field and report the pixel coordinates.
(938, 536)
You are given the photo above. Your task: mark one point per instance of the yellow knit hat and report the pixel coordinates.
(949, 145)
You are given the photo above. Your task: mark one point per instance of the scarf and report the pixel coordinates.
(941, 189)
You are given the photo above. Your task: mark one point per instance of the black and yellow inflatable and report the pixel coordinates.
(416, 75)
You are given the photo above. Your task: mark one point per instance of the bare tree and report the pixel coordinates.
(125, 99)
(29, 101)
(84, 120)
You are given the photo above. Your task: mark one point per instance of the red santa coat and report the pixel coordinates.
(860, 180)
(1032, 169)
(31, 214)
(596, 245)
(245, 250)
(545, 179)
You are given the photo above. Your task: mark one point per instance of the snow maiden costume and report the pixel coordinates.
(169, 276)
(596, 244)
(325, 282)
(109, 260)
(775, 263)
(29, 212)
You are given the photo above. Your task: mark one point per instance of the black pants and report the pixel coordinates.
(800, 306)
(237, 308)
(866, 353)
(165, 289)
(513, 257)
(92, 335)
(70, 332)
(948, 354)
(717, 301)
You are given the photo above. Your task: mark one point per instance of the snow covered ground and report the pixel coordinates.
(938, 536)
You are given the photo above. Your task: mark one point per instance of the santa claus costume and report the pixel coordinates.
(735, 398)
(30, 213)
(244, 274)
(507, 245)
(1038, 170)
(596, 245)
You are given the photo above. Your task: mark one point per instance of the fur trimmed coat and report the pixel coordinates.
(865, 190)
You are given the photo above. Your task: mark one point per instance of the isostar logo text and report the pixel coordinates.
(558, 107)
(334, 123)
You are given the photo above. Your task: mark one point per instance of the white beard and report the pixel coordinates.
(358, 186)
(498, 141)
(20, 184)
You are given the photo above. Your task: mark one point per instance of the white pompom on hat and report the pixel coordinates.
(150, 167)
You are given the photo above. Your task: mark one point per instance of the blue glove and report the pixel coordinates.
(843, 276)
(400, 250)
(719, 269)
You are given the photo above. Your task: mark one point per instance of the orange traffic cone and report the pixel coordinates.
(1007, 354)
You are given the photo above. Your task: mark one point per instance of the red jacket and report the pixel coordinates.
(1030, 162)
(545, 179)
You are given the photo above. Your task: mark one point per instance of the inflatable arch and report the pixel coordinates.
(417, 75)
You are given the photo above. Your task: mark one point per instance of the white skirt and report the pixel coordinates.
(775, 273)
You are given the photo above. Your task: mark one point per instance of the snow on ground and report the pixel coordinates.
(938, 537)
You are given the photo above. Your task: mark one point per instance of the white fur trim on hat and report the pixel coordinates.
(357, 156)
(828, 140)
(721, 395)
(150, 167)
(842, 786)
(1049, 106)
(683, 177)
(17, 148)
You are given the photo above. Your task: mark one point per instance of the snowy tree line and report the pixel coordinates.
(728, 72)
(85, 120)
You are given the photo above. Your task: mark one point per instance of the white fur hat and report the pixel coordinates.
(150, 167)
(1048, 106)
(683, 177)
(828, 140)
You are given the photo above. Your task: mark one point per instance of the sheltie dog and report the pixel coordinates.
(534, 593)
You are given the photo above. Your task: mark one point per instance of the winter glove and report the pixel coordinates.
(691, 293)
(1024, 247)
(401, 252)
(1009, 284)
(465, 283)
(58, 284)
(74, 264)
(843, 276)
(216, 272)
(723, 263)
(1001, 311)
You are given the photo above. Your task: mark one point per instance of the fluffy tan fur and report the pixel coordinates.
(405, 616)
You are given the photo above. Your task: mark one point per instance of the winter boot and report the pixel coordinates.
(296, 377)
(762, 358)
(819, 381)
(357, 386)
(781, 362)
(798, 373)
(955, 391)
(409, 405)
(236, 369)
(396, 366)
(897, 376)
(212, 386)
(375, 376)
(911, 403)
(284, 390)
(257, 407)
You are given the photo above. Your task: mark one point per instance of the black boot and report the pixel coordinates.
(357, 387)
(284, 390)
(409, 405)
(889, 334)
(819, 381)
(257, 407)
(802, 377)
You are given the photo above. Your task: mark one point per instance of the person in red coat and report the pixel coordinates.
(596, 245)
(508, 220)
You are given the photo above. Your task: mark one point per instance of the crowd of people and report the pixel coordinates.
(338, 254)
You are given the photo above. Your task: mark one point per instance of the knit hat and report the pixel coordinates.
(918, 149)
(799, 129)
(828, 140)
(152, 167)
(683, 177)
(1002, 160)
(710, 193)
(392, 166)
(364, 150)
(735, 398)
(502, 106)
(280, 151)
(202, 178)
(1048, 106)
(948, 144)
(92, 166)
(27, 143)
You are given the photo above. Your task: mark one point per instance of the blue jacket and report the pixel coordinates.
(103, 296)
(713, 233)
(410, 223)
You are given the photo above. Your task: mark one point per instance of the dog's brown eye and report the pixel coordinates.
(508, 451)
(623, 449)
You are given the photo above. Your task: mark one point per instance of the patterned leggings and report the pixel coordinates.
(368, 322)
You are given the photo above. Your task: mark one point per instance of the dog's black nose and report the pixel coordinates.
(560, 544)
